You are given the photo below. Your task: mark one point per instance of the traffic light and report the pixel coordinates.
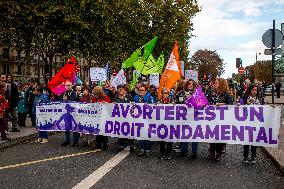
(238, 62)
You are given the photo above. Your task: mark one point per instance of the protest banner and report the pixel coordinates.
(98, 74)
(191, 74)
(247, 125)
(154, 79)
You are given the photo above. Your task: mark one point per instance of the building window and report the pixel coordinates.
(19, 70)
(5, 53)
(6, 69)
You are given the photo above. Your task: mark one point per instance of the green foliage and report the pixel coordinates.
(103, 31)
(279, 67)
(207, 62)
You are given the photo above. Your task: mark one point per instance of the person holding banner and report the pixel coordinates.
(86, 98)
(123, 97)
(181, 97)
(251, 97)
(40, 97)
(220, 96)
(99, 96)
(70, 96)
(144, 96)
(166, 152)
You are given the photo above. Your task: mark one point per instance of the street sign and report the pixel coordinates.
(241, 70)
(267, 38)
(278, 51)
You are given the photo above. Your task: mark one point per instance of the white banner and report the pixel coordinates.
(154, 79)
(246, 125)
(98, 74)
(191, 74)
(119, 79)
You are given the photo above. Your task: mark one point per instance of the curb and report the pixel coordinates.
(18, 140)
(274, 160)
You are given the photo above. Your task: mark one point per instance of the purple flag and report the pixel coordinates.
(197, 99)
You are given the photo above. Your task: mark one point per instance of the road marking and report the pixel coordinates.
(93, 178)
(49, 159)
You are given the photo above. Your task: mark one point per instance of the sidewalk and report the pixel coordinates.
(26, 133)
(277, 154)
(268, 99)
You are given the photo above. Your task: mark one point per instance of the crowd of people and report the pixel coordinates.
(19, 101)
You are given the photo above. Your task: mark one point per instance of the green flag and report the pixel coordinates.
(152, 65)
(133, 58)
(134, 80)
(137, 55)
(148, 48)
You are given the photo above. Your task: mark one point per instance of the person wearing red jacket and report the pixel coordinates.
(3, 108)
(99, 96)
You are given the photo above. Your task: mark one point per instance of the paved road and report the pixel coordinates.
(133, 171)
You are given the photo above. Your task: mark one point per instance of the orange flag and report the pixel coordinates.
(172, 72)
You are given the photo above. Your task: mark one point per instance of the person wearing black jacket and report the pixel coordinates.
(123, 97)
(220, 96)
(13, 98)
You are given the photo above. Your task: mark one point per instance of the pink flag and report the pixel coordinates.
(197, 99)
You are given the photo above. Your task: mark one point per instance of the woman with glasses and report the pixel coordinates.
(144, 96)
(99, 96)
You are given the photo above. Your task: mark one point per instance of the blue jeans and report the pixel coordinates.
(75, 136)
(184, 148)
(43, 134)
(145, 145)
(194, 147)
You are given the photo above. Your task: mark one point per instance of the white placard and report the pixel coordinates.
(98, 74)
(154, 79)
(191, 74)
(119, 79)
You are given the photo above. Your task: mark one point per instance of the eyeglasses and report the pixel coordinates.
(141, 90)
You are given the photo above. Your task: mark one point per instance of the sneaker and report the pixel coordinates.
(132, 149)
(65, 143)
(210, 157)
(147, 154)
(168, 158)
(44, 140)
(162, 157)
(253, 161)
(218, 158)
(142, 152)
(246, 161)
(38, 140)
(75, 144)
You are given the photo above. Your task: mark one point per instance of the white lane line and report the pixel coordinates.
(93, 178)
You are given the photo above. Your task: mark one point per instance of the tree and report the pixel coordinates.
(279, 67)
(263, 71)
(207, 62)
(101, 30)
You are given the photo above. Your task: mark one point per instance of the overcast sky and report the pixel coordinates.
(234, 28)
